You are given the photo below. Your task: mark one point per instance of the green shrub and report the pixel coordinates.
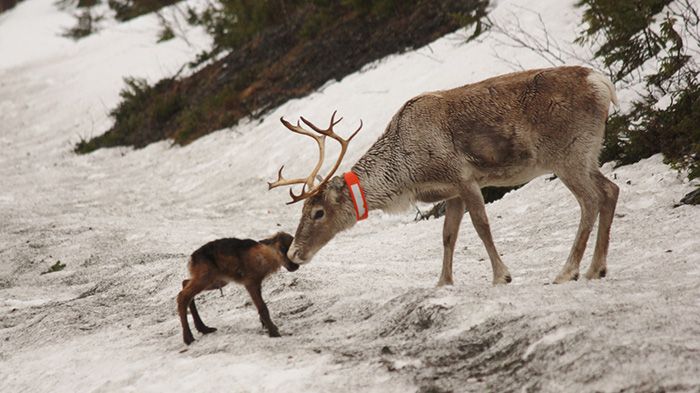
(478, 19)
(85, 24)
(380, 8)
(625, 29)
(56, 267)
(143, 110)
(129, 9)
(232, 23)
(284, 49)
(166, 33)
(7, 4)
(87, 3)
(645, 131)
(627, 41)
(86, 18)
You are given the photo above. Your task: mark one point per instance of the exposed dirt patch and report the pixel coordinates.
(7, 4)
(285, 62)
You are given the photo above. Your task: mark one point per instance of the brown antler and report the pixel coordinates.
(321, 141)
(309, 181)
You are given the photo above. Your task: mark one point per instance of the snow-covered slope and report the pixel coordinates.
(365, 315)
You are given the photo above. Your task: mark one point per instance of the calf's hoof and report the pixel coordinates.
(188, 339)
(207, 330)
(443, 282)
(274, 333)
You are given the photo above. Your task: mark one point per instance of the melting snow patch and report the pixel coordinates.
(111, 324)
(549, 339)
(444, 302)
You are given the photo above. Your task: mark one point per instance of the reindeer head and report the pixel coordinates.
(327, 205)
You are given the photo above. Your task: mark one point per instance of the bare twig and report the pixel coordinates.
(512, 34)
(173, 23)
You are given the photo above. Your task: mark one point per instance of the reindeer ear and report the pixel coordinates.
(332, 195)
(335, 191)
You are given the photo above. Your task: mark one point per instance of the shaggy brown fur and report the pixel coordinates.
(503, 131)
(246, 262)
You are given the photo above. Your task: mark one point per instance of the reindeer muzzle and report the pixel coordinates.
(291, 266)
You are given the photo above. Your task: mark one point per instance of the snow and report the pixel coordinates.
(45, 24)
(365, 315)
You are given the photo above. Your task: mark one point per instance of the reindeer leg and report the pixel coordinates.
(198, 324)
(184, 299)
(471, 195)
(586, 192)
(609, 192)
(254, 290)
(454, 211)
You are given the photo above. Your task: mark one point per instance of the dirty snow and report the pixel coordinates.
(365, 315)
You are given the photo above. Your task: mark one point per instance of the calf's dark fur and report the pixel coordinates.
(243, 261)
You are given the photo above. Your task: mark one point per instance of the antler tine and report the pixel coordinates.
(308, 181)
(343, 149)
(356, 131)
(343, 144)
(313, 126)
(303, 195)
(281, 181)
(320, 140)
(299, 130)
(334, 123)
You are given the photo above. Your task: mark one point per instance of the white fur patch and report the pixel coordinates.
(601, 84)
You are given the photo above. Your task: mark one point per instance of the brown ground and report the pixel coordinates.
(285, 62)
(7, 4)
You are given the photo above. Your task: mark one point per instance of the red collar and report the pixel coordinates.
(357, 194)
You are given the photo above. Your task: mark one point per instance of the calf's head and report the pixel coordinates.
(283, 241)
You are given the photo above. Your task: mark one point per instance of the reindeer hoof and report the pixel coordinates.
(207, 330)
(275, 333)
(592, 274)
(503, 280)
(188, 339)
(444, 282)
(566, 276)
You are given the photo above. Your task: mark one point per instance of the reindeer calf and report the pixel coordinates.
(246, 262)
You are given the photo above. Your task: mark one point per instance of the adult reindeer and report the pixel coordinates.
(447, 145)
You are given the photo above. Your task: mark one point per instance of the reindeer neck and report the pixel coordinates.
(379, 171)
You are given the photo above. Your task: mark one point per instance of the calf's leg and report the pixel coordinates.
(198, 323)
(255, 291)
(184, 299)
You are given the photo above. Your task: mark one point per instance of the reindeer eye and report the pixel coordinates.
(318, 215)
